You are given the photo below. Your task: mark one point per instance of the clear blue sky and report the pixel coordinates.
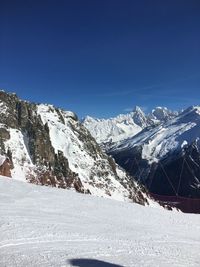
(101, 57)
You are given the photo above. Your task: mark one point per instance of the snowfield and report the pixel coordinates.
(42, 226)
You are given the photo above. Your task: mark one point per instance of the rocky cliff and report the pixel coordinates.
(49, 146)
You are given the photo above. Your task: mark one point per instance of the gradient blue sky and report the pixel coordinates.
(101, 57)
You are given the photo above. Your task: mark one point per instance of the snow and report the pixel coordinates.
(158, 141)
(41, 226)
(127, 125)
(65, 137)
(20, 155)
(185, 143)
(82, 154)
(2, 159)
(114, 129)
(163, 141)
(162, 113)
(3, 108)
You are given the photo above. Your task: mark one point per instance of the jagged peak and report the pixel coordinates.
(6, 96)
(137, 109)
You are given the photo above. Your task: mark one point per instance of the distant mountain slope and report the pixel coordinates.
(116, 129)
(49, 146)
(125, 125)
(166, 158)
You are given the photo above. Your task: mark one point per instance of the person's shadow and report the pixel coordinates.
(91, 263)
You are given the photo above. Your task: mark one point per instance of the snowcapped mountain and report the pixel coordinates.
(165, 157)
(125, 125)
(161, 114)
(116, 129)
(46, 145)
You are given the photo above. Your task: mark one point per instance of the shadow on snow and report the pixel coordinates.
(91, 263)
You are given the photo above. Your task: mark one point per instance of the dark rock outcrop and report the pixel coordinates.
(5, 168)
(51, 147)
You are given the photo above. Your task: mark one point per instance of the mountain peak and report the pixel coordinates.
(138, 109)
(162, 114)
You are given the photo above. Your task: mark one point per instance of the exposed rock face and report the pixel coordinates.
(5, 168)
(49, 146)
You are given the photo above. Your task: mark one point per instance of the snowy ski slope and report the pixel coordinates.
(42, 226)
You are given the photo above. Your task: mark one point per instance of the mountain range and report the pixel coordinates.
(125, 125)
(162, 152)
(133, 157)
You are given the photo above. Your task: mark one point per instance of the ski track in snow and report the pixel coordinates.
(42, 226)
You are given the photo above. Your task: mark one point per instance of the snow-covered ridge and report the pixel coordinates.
(49, 146)
(64, 138)
(163, 139)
